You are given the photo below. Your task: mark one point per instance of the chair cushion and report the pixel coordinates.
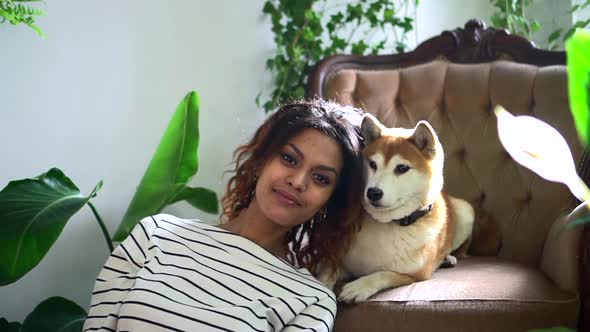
(478, 290)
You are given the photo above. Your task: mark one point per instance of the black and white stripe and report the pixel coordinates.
(174, 274)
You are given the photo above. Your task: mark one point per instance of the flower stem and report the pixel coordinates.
(105, 232)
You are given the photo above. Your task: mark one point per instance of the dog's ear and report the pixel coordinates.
(370, 128)
(424, 138)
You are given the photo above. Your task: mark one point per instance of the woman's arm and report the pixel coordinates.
(317, 317)
(117, 277)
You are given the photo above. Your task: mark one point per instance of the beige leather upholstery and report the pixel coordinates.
(535, 269)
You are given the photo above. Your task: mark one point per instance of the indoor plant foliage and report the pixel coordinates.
(306, 31)
(512, 15)
(15, 13)
(33, 212)
(559, 34)
(543, 150)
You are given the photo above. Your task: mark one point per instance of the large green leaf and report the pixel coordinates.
(174, 163)
(5, 326)
(33, 212)
(55, 314)
(201, 198)
(578, 69)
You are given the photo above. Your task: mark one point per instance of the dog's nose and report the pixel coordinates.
(374, 194)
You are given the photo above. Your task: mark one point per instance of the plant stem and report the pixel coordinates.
(508, 17)
(527, 25)
(105, 232)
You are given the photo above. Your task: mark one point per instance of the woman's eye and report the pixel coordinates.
(373, 165)
(288, 158)
(401, 169)
(322, 179)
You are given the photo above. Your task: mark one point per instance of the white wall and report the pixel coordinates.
(95, 97)
(434, 16)
(551, 15)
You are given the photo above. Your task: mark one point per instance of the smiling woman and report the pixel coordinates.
(291, 207)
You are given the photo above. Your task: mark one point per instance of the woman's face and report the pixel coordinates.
(299, 179)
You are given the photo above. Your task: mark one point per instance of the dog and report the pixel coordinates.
(409, 227)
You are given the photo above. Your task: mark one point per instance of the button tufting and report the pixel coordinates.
(482, 196)
(528, 197)
(461, 154)
(398, 103)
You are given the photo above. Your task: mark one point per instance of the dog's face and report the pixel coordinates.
(403, 169)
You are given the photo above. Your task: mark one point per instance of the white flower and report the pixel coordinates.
(540, 148)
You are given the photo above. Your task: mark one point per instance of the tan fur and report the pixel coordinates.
(385, 254)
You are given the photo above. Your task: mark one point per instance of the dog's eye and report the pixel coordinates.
(401, 169)
(373, 165)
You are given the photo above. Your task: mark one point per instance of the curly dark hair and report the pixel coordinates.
(311, 243)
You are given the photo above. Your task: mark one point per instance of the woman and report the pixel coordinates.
(289, 208)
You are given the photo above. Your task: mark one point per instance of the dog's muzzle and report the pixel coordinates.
(374, 194)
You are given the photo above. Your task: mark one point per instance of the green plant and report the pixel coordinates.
(306, 31)
(33, 212)
(554, 37)
(578, 65)
(511, 15)
(17, 13)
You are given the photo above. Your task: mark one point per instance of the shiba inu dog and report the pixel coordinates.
(410, 228)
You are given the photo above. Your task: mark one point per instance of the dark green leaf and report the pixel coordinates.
(5, 326)
(574, 8)
(554, 35)
(174, 163)
(268, 8)
(33, 212)
(337, 18)
(299, 92)
(201, 198)
(55, 314)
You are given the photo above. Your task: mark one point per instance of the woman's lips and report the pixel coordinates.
(286, 198)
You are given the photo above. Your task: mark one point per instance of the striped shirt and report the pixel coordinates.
(174, 274)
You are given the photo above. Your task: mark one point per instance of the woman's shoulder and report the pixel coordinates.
(168, 222)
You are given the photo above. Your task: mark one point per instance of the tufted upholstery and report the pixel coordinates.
(457, 100)
(535, 270)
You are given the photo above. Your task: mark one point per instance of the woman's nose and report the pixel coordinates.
(298, 181)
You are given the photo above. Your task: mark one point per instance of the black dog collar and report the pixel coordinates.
(410, 219)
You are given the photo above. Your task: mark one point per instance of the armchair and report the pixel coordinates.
(539, 277)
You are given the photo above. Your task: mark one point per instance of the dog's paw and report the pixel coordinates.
(327, 279)
(450, 261)
(358, 291)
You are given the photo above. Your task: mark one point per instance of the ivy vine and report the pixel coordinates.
(15, 12)
(512, 15)
(306, 31)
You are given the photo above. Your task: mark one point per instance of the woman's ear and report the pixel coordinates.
(371, 128)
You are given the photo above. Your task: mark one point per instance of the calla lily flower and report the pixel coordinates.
(542, 150)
